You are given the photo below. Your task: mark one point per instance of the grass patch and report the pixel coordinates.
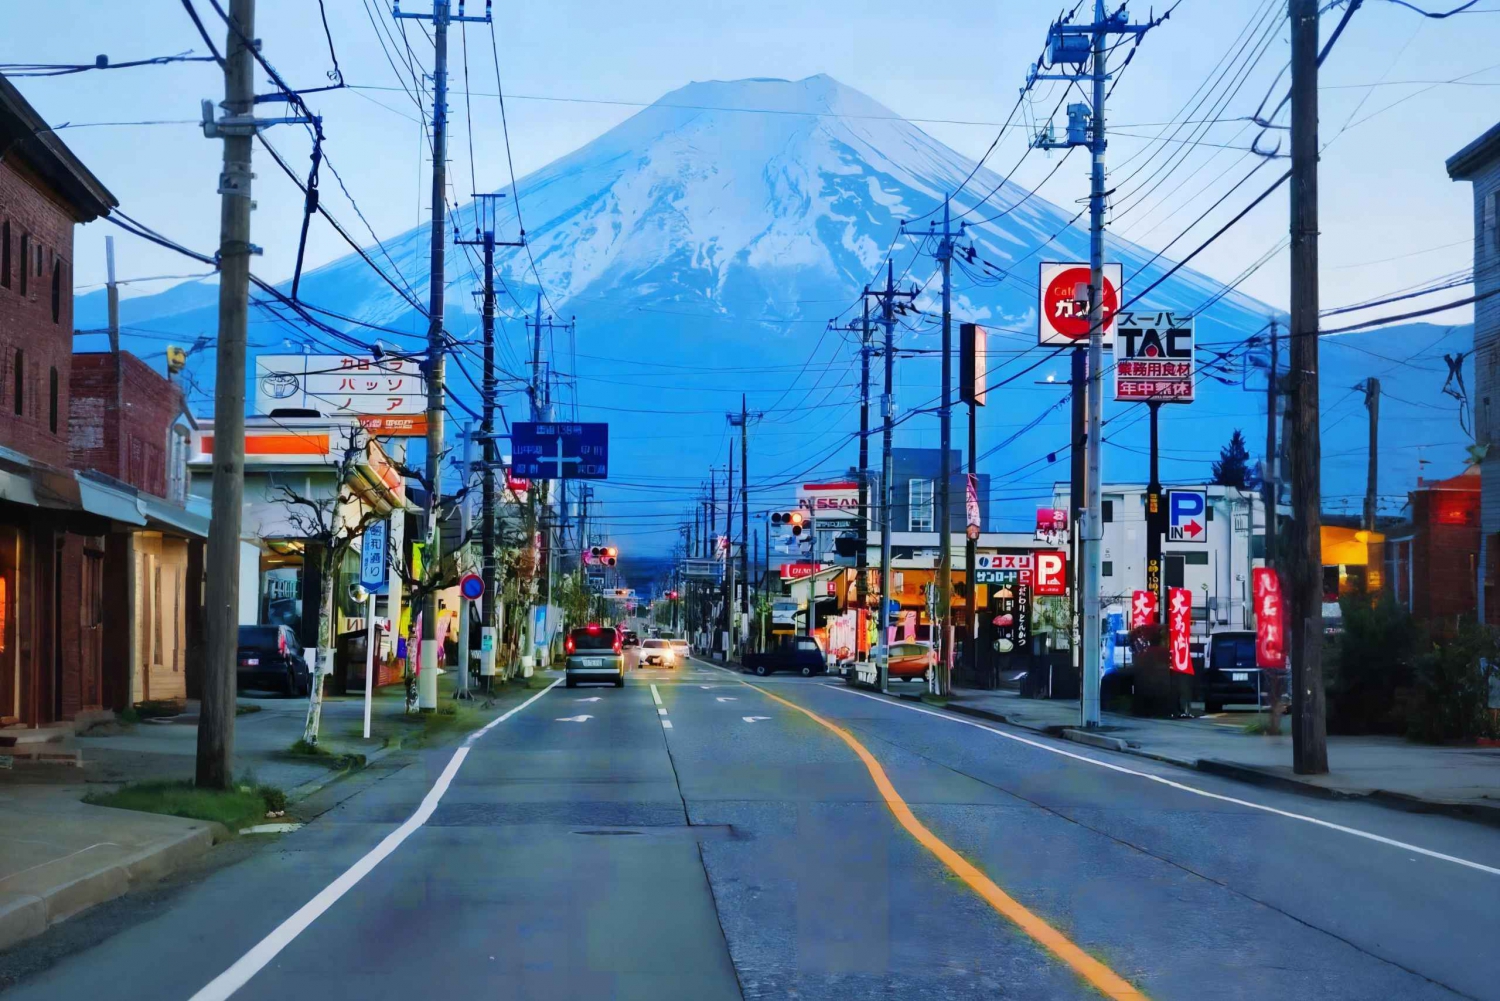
(934, 700)
(158, 708)
(244, 709)
(1260, 724)
(302, 747)
(235, 808)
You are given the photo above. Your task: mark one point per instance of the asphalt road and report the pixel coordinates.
(700, 839)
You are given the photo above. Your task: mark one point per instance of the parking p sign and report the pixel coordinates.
(1187, 516)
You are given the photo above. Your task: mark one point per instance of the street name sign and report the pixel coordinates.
(559, 450)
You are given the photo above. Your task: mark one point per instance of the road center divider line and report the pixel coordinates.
(1354, 831)
(1105, 980)
(283, 934)
(655, 695)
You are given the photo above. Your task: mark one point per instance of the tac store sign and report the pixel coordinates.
(1154, 361)
(1063, 313)
(1270, 616)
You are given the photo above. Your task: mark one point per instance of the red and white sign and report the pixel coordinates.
(388, 395)
(1051, 522)
(798, 571)
(1003, 561)
(1143, 609)
(1063, 316)
(1052, 574)
(1270, 634)
(1180, 629)
(1155, 360)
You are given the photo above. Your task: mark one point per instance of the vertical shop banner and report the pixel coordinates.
(1180, 628)
(1011, 611)
(1270, 637)
(971, 505)
(1143, 609)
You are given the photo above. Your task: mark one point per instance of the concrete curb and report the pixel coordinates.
(364, 761)
(1481, 813)
(24, 915)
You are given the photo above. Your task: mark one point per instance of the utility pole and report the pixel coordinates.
(729, 559)
(1305, 572)
(1074, 44)
(1372, 403)
(861, 561)
(1270, 477)
(945, 493)
(441, 17)
(887, 474)
(742, 421)
(215, 752)
(484, 222)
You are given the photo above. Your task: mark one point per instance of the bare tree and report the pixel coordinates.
(333, 523)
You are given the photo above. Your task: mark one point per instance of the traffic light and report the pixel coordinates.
(793, 520)
(604, 555)
(611, 555)
(672, 595)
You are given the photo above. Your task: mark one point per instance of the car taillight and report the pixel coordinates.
(569, 645)
(617, 646)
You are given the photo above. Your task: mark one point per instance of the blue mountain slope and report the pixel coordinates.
(703, 251)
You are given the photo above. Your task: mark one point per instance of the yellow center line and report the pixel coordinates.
(1107, 981)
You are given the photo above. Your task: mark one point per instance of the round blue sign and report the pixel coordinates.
(471, 586)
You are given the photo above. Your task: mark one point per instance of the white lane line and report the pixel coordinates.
(661, 711)
(666, 724)
(1354, 831)
(282, 935)
(655, 695)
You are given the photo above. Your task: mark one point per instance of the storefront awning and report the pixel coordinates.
(109, 502)
(24, 480)
(168, 517)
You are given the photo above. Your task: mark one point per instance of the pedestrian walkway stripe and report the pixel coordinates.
(1107, 981)
(1356, 832)
(282, 935)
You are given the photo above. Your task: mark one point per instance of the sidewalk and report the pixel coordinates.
(1463, 781)
(59, 855)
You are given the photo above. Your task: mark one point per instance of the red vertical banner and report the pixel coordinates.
(1180, 628)
(1270, 636)
(1143, 609)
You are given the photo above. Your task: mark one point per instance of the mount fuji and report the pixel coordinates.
(703, 246)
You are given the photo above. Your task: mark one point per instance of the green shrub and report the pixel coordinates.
(1368, 669)
(1450, 691)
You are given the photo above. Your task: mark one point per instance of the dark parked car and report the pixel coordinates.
(595, 653)
(791, 653)
(1232, 677)
(269, 660)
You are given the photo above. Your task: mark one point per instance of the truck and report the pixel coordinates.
(788, 653)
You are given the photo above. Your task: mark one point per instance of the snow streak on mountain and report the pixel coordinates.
(703, 250)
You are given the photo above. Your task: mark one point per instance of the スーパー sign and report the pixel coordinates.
(1154, 359)
(1063, 313)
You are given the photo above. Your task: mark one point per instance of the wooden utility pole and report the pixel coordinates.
(1372, 403)
(943, 626)
(1270, 487)
(215, 763)
(1305, 569)
(861, 558)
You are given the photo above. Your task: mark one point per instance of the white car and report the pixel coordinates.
(658, 653)
(681, 649)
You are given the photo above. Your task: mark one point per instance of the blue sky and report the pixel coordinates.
(1385, 194)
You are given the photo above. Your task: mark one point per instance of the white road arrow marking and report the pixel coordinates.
(754, 719)
(591, 698)
(574, 719)
(726, 698)
(707, 687)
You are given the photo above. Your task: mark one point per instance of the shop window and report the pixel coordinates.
(177, 452)
(56, 290)
(1107, 511)
(1108, 569)
(1174, 572)
(1195, 559)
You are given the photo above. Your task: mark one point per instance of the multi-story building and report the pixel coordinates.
(51, 547)
(1479, 164)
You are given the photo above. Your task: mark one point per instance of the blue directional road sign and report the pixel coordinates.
(372, 576)
(559, 450)
(1187, 516)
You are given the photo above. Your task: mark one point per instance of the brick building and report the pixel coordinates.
(129, 433)
(1479, 164)
(1432, 560)
(51, 548)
